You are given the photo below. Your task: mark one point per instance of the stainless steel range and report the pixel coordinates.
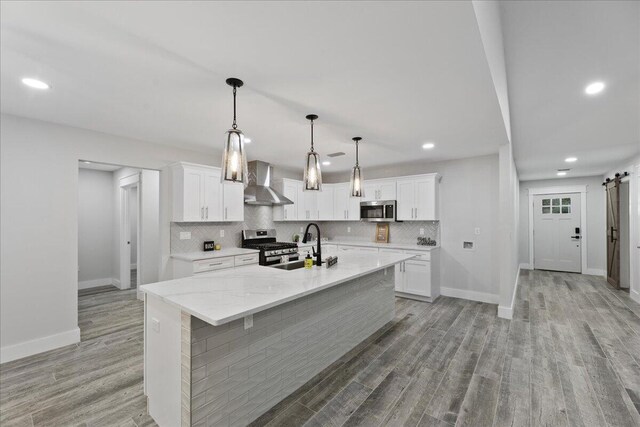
(271, 251)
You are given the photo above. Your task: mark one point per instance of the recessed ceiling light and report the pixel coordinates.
(570, 159)
(247, 140)
(428, 146)
(35, 83)
(326, 163)
(562, 173)
(594, 88)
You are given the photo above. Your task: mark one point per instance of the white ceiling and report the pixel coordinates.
(553, 50)
(396, 73)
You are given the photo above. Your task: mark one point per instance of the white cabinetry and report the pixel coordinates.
(308, 206)
(379, 189)
(418, 278)
(197, 193)
(325, 203)
(183, 268)
(345, 207)
(418, 198)
(233, 201)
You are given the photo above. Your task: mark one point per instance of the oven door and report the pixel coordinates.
(280, 259)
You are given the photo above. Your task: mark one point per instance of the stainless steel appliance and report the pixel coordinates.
(378, 211)
(271, 251)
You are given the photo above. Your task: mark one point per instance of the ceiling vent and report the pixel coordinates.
(338, 154)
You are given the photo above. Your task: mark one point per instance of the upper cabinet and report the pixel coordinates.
(199, 196)
(291, 189)
(379, 189)
(325, 202)
(345, 207)
(418, 198)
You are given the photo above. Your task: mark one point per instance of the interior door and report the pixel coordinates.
(557, 232)
(613, 221)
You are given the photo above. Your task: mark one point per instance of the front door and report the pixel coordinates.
(557, 232)
(613, 221)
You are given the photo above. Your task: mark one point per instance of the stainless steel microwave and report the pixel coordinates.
(378, 211)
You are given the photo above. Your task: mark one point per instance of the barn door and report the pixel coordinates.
(613, 242)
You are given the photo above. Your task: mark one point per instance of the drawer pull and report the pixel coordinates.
(215, 263)
(248, 259)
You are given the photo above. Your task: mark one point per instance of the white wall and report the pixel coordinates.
(468, 199)
(508, 236)
(39, 224)
(95, 228)
(596, 223)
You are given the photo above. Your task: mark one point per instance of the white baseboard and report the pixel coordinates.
(595, 272)
(116, 282)
(507, 312)
(470, 295)
(86, 284)
(635, 295)
(526, 266)
(39, 345)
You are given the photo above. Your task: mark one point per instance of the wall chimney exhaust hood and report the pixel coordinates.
(259, 191)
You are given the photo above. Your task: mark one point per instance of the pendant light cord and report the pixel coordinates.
(357, 153)
(235, 126)
(312, 136)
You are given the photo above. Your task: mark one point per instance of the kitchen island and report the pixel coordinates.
(222, 348)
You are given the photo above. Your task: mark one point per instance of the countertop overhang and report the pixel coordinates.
(223, 296)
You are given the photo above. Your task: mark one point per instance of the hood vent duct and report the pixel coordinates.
(259, 191)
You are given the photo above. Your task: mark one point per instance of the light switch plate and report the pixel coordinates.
(221, 233)
(185, 235)
(422, 231)
(477, 230)
(348, 229)
(155, 324)
(301, 230)
(248, 321)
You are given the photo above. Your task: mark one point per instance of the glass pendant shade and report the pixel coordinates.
(312, 180)
(357, 181)
(312, 175)
(234, 158)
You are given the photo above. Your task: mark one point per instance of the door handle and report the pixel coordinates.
(575, 237)
(613, 231)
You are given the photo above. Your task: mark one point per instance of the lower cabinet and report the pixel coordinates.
(183, 268)
(418, 278)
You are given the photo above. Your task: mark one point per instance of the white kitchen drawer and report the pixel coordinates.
(212, 264)
(246, 259)
(390, 251)
(420, 256)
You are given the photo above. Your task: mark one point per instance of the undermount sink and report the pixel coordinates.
(293, 265)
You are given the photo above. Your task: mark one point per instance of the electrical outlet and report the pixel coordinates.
(477, 230)
(221, 233)
(248, 321)
(185, 235)
(301, 230)
(422, 231)
(155, 324)
(348, 229)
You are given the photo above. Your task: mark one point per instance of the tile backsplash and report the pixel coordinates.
(262, 217)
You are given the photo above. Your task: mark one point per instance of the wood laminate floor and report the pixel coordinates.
(570, 356)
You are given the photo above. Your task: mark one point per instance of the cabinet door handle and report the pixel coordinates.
(207, 213)
(416, 213)
(285, 213)
(226, 213)
(202, 212)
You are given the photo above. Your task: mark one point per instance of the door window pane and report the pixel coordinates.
(546, 210)
(566, 201)
(556, 202)
(566, 209)
(546, 202)
(555, 209)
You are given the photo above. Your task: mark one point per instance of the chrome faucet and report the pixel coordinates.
(318, 252)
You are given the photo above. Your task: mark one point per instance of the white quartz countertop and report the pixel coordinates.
(195, 256)
(226, 295)
(407, 246)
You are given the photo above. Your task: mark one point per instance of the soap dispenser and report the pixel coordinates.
(308, 261)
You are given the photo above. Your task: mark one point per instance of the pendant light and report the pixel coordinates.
(357, 180)
(234, 158)
(312, 180)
